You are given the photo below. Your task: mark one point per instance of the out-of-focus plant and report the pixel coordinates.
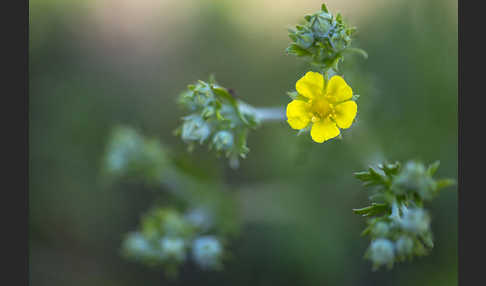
(398, 223)
(195, 221)
(170, 238)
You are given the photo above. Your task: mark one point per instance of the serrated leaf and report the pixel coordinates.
(363, 175)
(378, 175)
(391, 169)
(366, 231)
(374, 209)
(444, 183)
(361, 52)
(372, 176)
(297, 50)
(433, 168)
(324, 8)
(223, 93)
(292, 94)
(339, 18)
(427, 239)
(219, 116)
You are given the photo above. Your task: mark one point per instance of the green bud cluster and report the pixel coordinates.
(169, 239)
(130, 154)
(322, 39)
(217, 118)
(398, 225)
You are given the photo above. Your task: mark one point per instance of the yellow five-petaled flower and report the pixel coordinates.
(326, 105)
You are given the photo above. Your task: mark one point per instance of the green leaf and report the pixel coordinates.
(433, 168)
(297, 50)
(391, 169)
(372, 210)
(366, 231)
(339, 18)
(219, 116)
(222, 92)
(444, 183)
(361, 52)
(293, 37)
(292, 94)
(372, 177)
(363, 175)
(324, 8)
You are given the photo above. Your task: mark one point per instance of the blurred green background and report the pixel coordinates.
(97, 64)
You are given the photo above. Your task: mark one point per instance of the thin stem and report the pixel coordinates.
(395, 211)
(263, 113)
(271, 113)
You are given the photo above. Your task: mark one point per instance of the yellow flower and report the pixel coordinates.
(326, 106)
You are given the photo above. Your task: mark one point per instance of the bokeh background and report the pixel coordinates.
(98, 64)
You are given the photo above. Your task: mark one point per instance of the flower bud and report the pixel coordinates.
(414, 178)
(322, 25)
(207, 252)
(174, 224)
(305, 39)
(381, 252)
(124, 148)
(172, 248)
(415, 221)
(223, 140)
(321, 39)
(200, 218)
(381, 229)
(404, 246)
(195, 129)
(135, 244)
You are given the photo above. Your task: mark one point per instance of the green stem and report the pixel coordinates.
(263, 114)
(271, 113)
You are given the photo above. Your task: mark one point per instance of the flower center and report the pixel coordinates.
(320, 109)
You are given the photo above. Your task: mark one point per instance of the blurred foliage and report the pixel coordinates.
(399, 225)
(293, 198)
(166, 235)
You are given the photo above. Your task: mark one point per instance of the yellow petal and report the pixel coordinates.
(310, 85)
(338, 90)
(345, 113)
(298, 115)
(324, 130)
